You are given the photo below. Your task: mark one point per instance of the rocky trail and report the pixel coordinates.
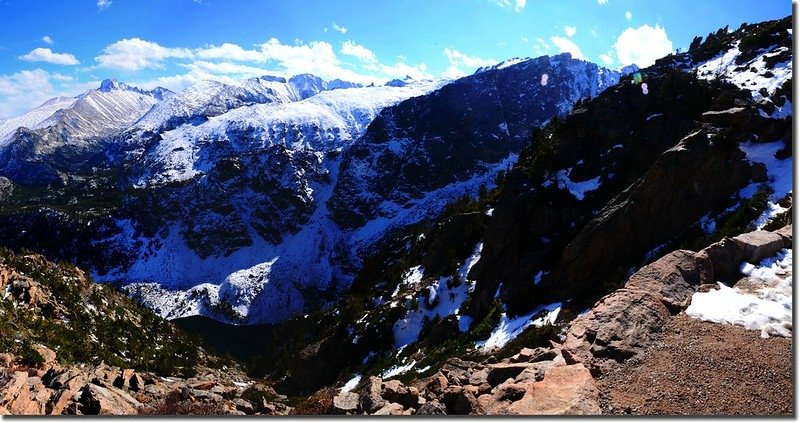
(702, 368)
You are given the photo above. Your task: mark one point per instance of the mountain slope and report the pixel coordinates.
(594, 196)
(426, 143)
(47, 144)
(70, 346)
(213, 98)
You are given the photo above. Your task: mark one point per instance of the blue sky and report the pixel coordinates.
(65, 47)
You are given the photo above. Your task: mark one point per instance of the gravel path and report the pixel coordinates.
(702, 368)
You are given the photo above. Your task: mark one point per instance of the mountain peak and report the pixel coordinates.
(110, 84)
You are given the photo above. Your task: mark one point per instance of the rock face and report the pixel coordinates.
(626, 322)
(564, 390)
(578, 207)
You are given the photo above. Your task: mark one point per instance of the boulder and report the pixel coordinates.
(432, 408)
(479, 377)
(390, 409)
(460, 400)
(47, 354)
(533, 355)
(244, 405)
(535, 372)
(786, 233)
(345, 403)
(565, 390)
(758, 245)
(434, 384)
(65, 395)
(500, 372)
(395, 391)
(370, 400)
(204, 386)
(672, 278)
(24, 395)
(618, 327)
(99, 400)
(726, 256)
(6, 359)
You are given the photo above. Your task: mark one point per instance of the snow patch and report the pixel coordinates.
(577, 189)
(510, 328)
(351, 384)
(725, 66)
(398, 369)
(765, 304)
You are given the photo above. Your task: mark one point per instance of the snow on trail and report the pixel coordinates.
(762, 301)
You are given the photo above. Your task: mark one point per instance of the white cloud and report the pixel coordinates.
(642, 45)
(518, 5)
(459, 61)
(339, 28)
(524, 40)
(566, 45)
(228, 51)
(103, 4)
(28, 89)
(46, 55)
(602, 2)
(316, 57)
(628, 15)
(594, 33)
(401, 70)
(226, 68)
(47, 39)
(61, 77)
(135, 54)
(181, 81)
(541, 47)
(358, 51)
(570, 30)
(606, 59)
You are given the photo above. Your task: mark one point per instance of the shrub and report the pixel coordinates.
(317, 404)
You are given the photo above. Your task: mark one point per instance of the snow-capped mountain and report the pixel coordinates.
(212, 98)
(327, 121)
(34, 146)
(106, 110)
(233, 206)
(255, 200)
(34, 118)
(427, 143)
(267, 172)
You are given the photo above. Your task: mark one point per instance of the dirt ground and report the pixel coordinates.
(702, 368)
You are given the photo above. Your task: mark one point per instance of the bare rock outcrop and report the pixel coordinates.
(622, 324)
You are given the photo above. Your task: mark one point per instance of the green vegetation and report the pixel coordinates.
(59, 307)
(532, 337)
(729, 223)
(764, 35)
(536, 158)
(483, 329)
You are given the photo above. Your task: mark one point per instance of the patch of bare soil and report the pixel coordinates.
(702, 368)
